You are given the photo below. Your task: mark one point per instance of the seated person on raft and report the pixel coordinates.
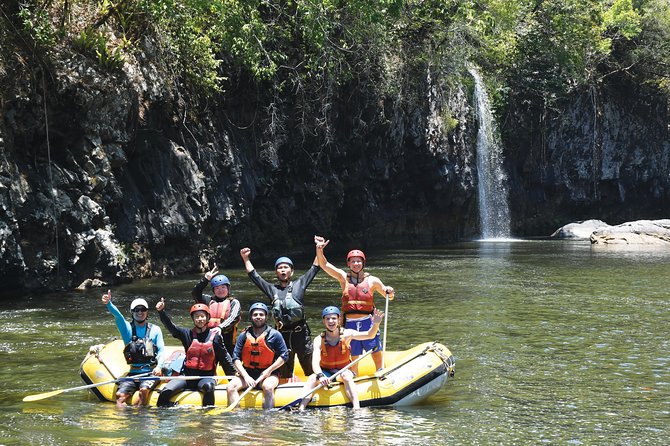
(259, 353)
(143, 351)
(334, 347)
(204, 348)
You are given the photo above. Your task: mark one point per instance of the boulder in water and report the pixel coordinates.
(640, 232)
(580, 230)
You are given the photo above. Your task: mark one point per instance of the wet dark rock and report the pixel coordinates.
(138, 179)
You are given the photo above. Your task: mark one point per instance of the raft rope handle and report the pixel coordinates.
(447, 360)
(408, 360)
(98, 349)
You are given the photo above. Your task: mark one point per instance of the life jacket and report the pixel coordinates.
(286, 310)
(358, 298)
(218, 312)
(140, 351)
(256, 354)
(200, 355)
(335, 357)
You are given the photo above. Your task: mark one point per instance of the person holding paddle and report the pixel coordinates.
(204, 348)
(224, 309)
(259, 352)
(288, 308)
(334, 345)
(144, 349)
(358, 288)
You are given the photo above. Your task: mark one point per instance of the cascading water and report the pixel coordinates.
(493, 208)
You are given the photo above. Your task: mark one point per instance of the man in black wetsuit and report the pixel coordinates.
(288, 308)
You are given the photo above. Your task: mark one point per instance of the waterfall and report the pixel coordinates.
(493, 208)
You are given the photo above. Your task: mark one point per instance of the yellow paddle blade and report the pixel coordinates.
(42, 396)
(232, 406)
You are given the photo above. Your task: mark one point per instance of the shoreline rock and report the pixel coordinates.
(580, 230)
(640, 232)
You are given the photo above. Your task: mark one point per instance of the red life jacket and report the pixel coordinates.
(256, 354)
(358, 298)
(335, 357)
(218, 311)
(200, 355)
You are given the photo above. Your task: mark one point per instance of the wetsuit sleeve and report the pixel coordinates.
(123, 325)
(157, 339)
(262, 284)
(277, 344)
(197, 290)
(221, 353)
(234, 315)
(303, 282)
(176, 332)
(237, 353)
(309, 275)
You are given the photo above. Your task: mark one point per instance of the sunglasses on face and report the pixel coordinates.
(139, 310)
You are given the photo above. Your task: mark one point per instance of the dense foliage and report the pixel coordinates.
(547, 48)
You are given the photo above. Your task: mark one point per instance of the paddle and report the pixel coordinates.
(188, 378)
(386, 318)
(236, 402)
(332, 378)
(45, 395)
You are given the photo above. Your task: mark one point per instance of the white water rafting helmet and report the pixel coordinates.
(330, 310)
(137, 303)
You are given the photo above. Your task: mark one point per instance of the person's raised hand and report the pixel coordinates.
(211, 273)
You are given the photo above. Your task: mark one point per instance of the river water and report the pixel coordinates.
(555, 343)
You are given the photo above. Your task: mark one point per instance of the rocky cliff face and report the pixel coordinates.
(114, 176)
(604, 154)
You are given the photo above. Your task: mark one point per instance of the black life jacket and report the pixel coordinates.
(140, 351)
(286, 310)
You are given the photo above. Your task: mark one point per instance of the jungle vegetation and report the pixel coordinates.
(547, 48)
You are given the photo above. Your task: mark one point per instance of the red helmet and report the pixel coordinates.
(200, 307)
(356, 253)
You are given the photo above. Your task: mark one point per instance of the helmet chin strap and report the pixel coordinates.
(356, 276)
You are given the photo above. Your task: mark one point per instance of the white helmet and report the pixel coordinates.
(137, 303)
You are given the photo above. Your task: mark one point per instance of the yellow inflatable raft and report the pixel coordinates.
(408, 378)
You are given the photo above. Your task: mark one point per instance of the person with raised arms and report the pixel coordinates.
(224, 309)
(204, 348)
(288, 308)
(144, 349)
(259, 352)
(334, 345)
(358, 288)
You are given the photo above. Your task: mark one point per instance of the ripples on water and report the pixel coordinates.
(556, 343)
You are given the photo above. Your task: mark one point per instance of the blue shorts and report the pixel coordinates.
(331, 372)
(363, 324)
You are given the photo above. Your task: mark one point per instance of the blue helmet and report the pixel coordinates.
(281, 260)
(257, 306)
(220, 280)
(330, 310)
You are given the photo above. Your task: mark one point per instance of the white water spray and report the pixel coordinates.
(493, 208)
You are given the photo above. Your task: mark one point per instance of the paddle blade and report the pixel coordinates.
(42, 396)
(229, 408)
(221, 410)
(232, 406)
